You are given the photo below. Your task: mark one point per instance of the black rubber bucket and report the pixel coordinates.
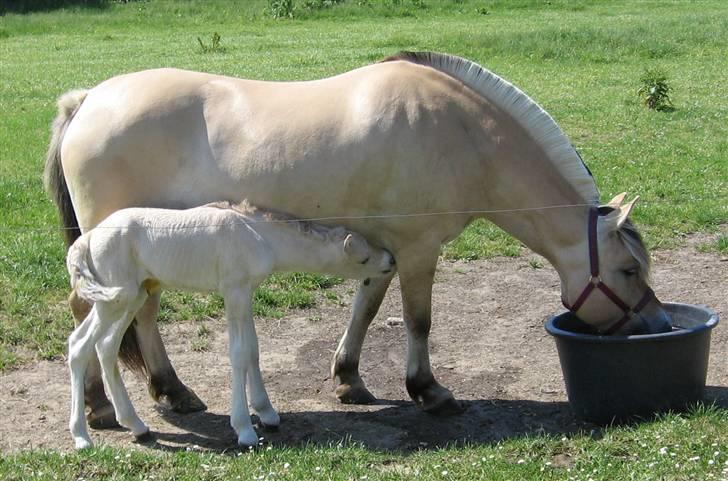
(615, 379)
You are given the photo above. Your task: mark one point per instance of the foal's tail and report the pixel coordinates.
(55, 182)
(83, 281)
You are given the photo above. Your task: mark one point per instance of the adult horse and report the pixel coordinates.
(371, 149)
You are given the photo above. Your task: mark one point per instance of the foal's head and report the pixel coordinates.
(353, 257)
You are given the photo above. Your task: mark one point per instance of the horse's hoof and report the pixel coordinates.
(354, 394)
(433, 398)
(102, 418)
(145, 438)
(183, 402)
(445, 407)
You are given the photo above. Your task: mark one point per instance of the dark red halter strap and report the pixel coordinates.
(595, 282)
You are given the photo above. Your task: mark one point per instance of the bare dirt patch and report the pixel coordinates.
(487, 344)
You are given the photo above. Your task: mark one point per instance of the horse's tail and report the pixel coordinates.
(55, 185)
(83, 281)
(55, 182)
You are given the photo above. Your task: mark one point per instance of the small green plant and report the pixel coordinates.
(320, 4)
(214, 47)
(202, 341)
(535, 264)
(281, 8)
(654, 90)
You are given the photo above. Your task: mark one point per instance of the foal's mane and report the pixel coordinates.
(537, 122)
(259, 214)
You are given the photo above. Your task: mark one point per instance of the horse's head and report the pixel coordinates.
(606, 282)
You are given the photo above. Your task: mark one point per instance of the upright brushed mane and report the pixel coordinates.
(537, 122)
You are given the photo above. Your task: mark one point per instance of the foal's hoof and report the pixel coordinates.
(183, 402)
(267, 420)
(82, 443)
(248, 439)
(354, 394)
(102, 418)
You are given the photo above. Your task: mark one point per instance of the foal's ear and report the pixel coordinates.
(354, 246)
(620, 213)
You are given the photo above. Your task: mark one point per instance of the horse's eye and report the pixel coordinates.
(630, 272)
(364, 261)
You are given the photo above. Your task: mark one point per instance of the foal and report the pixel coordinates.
(217, 247)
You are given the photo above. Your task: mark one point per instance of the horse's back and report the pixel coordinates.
(370, 140)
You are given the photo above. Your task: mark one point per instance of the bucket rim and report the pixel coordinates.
(712, 321)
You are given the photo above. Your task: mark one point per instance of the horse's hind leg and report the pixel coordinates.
(350, 387)
(164, 385)
(416, 274)
(101, 412)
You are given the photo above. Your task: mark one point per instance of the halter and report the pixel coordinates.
(595, 282)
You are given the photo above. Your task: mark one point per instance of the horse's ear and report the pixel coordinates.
(617, 201)
(620, 213)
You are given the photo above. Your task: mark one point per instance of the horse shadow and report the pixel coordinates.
(395, 426)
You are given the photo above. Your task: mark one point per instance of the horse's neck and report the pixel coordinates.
(550, 224)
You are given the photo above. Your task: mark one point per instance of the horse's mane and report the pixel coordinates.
(260, 214)
(636, 246)
(537, 122)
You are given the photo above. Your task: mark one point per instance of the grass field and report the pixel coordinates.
(674, 448)
(581, 60)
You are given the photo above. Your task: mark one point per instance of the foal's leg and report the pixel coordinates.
(350, 387)
(259, 400)
(164, 385)
(416, 274)
(101, 414)
(80, 354)
(107, 350)
(237, 309)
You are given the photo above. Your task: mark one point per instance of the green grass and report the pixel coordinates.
(582, 60)
(675, 448)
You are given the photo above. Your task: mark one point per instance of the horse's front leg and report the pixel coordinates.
(237, 309)
(416, 273)
(259, 400)
(350, 387)
(164, 385)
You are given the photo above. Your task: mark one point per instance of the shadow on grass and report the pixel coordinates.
(29, 6)
(392, 426)
(396, 426)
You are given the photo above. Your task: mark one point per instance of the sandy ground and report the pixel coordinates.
(488, 345)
